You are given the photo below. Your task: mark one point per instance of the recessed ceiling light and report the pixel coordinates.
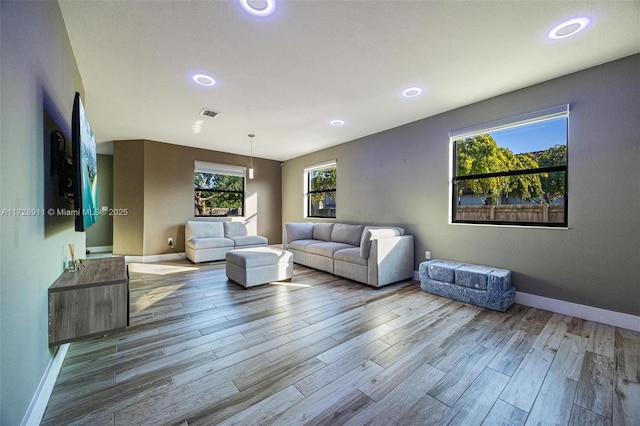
(568, 28)
(337, 123)
(411, 92)
(259, 7)
(203, 79)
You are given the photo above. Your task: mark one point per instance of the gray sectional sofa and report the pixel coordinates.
(373, 255)
(206, 241)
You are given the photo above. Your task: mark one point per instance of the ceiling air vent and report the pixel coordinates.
(209, 112)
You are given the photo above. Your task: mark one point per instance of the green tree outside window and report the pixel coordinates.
(218, 195)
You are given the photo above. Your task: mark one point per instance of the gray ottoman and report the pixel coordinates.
(259, 265)
(478, 285)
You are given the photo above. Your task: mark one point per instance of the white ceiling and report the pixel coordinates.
(284, 77)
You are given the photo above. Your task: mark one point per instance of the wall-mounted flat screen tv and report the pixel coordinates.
(86, 168)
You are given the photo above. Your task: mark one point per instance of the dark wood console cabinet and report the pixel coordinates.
(89, 302)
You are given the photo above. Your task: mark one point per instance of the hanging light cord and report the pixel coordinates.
(251, 135)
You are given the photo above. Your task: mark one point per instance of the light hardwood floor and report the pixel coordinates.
(322, 350)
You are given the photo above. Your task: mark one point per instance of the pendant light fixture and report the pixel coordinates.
(251, 136)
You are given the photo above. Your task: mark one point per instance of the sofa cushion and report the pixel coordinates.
(351, 255)
(258, 256)
(375, 232)
(499, 280)
(234, 229)
(203, 229)
(298, 231)
(326, 249)
(250, 240)
(443, 270)
(347, 234)
(301, 245)
(206, 243)
(322, 231)
(473, 276)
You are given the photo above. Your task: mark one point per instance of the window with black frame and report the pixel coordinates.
(320, 183)
(218, 190)
(512, 172)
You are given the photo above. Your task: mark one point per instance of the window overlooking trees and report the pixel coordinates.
(320, 182)
(512, 172)
(218, 190)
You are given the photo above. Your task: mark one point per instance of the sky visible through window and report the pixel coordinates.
(533, 137)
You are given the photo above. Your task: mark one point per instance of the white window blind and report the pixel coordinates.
(320, 166)
(520, 120)
(219, 169)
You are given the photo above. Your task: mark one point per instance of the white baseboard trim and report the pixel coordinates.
(100, 249)
(154, 257)
(590, 313)
(40, 399)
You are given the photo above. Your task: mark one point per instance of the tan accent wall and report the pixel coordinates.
(128, 193)
(163, 201)
(401, 177)
(100, 234)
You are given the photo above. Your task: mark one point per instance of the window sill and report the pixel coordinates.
(491, 225)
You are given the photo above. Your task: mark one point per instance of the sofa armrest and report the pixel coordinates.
(285, 243)
(371, 233)
(390, 260)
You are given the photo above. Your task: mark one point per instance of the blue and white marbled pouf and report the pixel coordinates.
(478, 285)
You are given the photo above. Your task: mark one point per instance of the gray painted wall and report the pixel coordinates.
(401, 176)
(38, 72)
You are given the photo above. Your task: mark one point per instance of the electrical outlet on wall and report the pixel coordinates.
(170, 241)
(427, 255)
